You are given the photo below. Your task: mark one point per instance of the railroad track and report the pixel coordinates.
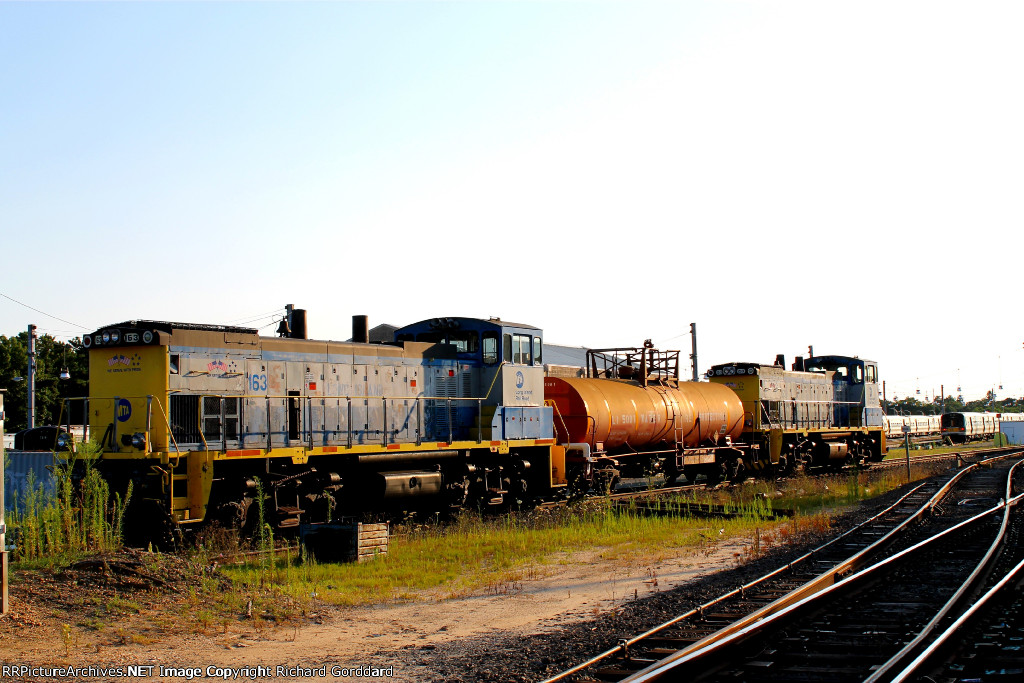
(984, 642)
(678, 639)
(854, 630)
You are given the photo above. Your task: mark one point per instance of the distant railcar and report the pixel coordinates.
(964, 427)
(919, 425)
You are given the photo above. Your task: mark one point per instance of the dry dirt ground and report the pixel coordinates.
(61, 619)
(530, 631)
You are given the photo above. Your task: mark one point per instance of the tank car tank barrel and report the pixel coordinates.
(620, 413)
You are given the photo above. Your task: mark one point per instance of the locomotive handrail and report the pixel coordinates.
(497, 371)
(170, 434)
(199, 421)
(554, 407)
(308, 431)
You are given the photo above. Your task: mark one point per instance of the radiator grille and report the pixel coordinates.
(186, 418)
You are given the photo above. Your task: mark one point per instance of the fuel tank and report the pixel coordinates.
(624, 413)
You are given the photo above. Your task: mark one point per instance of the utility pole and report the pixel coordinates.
(693, 356)
(31, 378)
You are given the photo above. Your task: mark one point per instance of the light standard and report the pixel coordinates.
(31, 388)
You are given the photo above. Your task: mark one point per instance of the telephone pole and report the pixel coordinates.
(30, 380)
(693, 356)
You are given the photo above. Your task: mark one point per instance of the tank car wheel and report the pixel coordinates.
(714, 477)
(579, 484)
(737, 471)
(606, 479)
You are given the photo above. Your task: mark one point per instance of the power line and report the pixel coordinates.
(274, 317)
(42, 312)
(257, 316)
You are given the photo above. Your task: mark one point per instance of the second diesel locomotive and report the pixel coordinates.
(823, 413)
(749, 419)
(204, 420)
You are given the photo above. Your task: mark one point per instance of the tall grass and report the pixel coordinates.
(475, 553)
(69, 520)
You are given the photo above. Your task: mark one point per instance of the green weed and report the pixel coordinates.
(75, 519)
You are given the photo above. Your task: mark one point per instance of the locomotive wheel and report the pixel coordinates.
(147, 522)
(782, 468)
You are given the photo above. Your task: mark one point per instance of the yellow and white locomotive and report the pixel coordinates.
(823, 413)
(199, 417)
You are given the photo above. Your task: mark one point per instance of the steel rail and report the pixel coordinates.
(662, 668)
(969, 584)
(734, 593)
(732, 636)
(815, 586)
(946, 636)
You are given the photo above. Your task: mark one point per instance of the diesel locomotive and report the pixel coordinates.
(207, 421)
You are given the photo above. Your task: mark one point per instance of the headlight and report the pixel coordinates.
(62, 440)
(139, 441)
(115, 337)
(106, 337)
(147, 337)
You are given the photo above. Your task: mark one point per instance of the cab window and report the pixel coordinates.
(464, 341)
(537, 351)
(517, 349)
(521, 349)
(490, 346)
(858, 374)
(872, 373)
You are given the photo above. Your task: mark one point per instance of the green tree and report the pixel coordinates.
(52, 356)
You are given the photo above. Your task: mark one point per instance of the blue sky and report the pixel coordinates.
(782, 173)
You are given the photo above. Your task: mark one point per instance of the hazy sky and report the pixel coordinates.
(847, 175)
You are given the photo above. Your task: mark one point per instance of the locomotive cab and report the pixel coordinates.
(502, 363)
(856, 389)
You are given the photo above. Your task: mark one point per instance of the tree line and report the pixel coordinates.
(52, 355)
(952, 404)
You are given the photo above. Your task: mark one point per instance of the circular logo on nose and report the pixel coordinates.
(520, 380)
(124, 410)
